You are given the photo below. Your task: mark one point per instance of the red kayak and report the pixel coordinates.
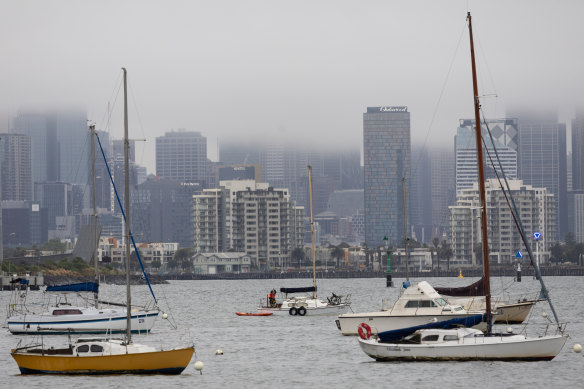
(253, 314)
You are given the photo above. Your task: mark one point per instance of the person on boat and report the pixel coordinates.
(272, 297)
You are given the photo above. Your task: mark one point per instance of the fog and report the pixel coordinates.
(302, 70)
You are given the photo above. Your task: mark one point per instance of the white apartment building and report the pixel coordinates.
(114, 251)
(247, 216)
(537, 212)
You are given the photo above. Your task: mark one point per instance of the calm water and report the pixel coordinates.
(298, 352)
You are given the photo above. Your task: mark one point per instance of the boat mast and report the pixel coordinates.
(405, 227)
(312, 231)
(483, 201)
(127, 206)
(95, 235)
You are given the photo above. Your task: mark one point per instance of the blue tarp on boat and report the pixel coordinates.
(395, 335)
(79, 287)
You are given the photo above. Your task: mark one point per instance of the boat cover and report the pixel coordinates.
(79, 287)
(395, 335)
(298, 290)
(475, 289)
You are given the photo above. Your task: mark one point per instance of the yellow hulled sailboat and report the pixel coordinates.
(102, 355)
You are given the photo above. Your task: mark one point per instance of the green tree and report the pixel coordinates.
(183, 258)
(337, 254)
(55, 245)
(298, 255)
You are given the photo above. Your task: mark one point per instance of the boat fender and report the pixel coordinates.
(364, 331)
(301, 311)
(293, 311)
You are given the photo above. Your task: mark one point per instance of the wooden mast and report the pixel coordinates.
(483, 201)
(312, 231)
(95, 242)
(127, 213)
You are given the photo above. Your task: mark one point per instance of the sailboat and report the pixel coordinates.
(103, 355)
(467, 343)
(306, 305)
(63, 316)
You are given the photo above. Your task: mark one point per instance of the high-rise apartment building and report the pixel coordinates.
(182, 155)
(15, 167)
(386, 153)
(537, 211)
(246, 216)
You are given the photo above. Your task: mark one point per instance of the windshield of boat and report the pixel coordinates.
(440, 301)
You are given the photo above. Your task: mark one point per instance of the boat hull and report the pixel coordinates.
(142, 321)
(158, 362)
(483, 348)
(310, 311)
(254, 314)
(382, 321)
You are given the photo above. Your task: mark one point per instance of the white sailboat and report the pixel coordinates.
(468, 344)
(419, 306)
(63, 314)
(306, 305)
(102, 355)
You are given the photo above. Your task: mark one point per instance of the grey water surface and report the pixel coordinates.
(309, 351)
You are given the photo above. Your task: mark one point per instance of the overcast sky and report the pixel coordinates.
(306, 69)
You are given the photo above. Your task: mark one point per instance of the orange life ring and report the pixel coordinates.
(364, 331)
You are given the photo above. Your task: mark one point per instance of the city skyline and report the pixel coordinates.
(259, 68)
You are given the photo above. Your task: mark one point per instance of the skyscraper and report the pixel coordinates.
(386, 151)
(15, 164)
(182, 155)
(504, 142)
(578, 151)
(542, 159)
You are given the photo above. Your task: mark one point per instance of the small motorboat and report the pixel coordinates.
(253, 314)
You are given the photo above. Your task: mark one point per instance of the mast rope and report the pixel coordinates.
(124, 216)
(516, 216)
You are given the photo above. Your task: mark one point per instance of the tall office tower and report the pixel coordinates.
(103, 186)
(118, 150)
(162, 211)
(442, 177)
(182, 155)
(504, 145)
(239, 151)
(249, 217)
(24, 223)
(15, 165)
(421, 195)
(537, 214)
(386, 151)
(59, 144)
(576, 214)
(55, 197)
(578, 151)
(42, 130)
(542, 159)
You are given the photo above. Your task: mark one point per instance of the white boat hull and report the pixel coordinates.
(515, 347)
(310, 311)
(382, 321)
(91, 321)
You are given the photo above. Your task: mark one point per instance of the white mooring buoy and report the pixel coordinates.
(219, 352)
(165, 315)
(199, 366)
(577, 348)
(543, 314)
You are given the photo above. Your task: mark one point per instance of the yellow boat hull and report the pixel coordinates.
(158, 362)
